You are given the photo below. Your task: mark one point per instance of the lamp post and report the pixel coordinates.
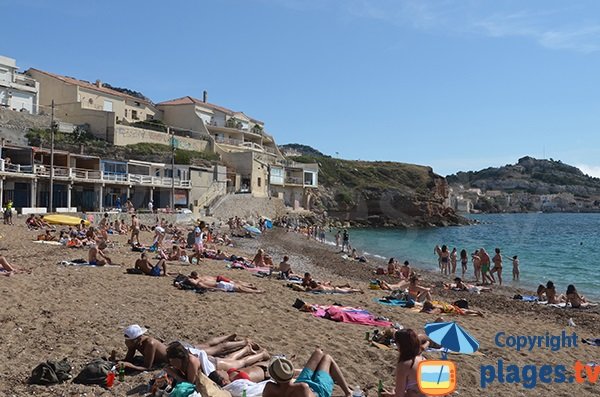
(172, 168)
(52, 128)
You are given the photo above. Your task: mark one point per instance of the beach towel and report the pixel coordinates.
(236, 388)
(526, 298)
(395, 302)
(47, 242)
(351, 315)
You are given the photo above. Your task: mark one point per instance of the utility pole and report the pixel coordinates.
(172, 168)
(52, 128)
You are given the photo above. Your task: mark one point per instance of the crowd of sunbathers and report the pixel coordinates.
(225, 361)
(549, 295)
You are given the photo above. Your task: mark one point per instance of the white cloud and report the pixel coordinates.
(591, 170)
(553, 28)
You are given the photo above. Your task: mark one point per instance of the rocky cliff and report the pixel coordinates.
(386, 194)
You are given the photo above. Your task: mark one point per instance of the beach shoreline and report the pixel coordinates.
(79, 313)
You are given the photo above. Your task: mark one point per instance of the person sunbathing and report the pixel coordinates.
(317, 378)
(220, 283)
(392, 268)
(459, 285)
(574, 298)
(185, 363)
(48, 236)
(177, 254)
(6, 269)
(31, 222)
(148, 269)
(154, 352)
(255, 373)
(259, 258)
(285, 269)
(392, 287)
(436, 307)
(327, 287)
(97, 257)
(551, 294)
(409, 348)
(417, 292)
(405, 270)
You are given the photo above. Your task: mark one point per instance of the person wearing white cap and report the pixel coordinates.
(316, 379)
(153, 351)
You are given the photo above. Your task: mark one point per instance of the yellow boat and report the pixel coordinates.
(58, 219)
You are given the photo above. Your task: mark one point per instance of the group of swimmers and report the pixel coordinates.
(482, 269)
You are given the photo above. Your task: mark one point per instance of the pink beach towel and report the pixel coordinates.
(344, 314)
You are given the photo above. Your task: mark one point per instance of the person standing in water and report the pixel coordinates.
(497, 259)
(515, 261)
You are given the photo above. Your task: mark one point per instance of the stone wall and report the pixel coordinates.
(247, 207)
(14, 125)
(125, 135)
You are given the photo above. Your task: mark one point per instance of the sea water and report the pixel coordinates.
(563, 248)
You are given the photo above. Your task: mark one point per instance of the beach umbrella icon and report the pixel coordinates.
(452, 337)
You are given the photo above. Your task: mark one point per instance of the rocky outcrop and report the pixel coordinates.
(381, 194)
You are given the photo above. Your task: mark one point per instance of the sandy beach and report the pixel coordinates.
(80, 312)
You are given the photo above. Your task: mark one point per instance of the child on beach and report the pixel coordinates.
(285, 268)
(515, 262)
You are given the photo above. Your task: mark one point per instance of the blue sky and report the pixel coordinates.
(457, 85)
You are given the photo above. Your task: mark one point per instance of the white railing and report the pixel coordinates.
(79, 174)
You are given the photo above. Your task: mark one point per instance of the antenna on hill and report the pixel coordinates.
(544, 150)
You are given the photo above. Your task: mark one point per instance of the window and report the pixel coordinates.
(258, 182)
(134, 115)
(125, 112)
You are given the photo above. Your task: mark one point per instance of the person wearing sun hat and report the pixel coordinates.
(316, 379)
(153, 351)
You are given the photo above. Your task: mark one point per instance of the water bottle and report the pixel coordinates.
(380, 388)
(122, 373)
(357, 392)
(244, 392)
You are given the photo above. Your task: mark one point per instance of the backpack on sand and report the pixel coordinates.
(51, 372)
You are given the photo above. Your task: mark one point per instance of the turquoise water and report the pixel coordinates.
(558, 247)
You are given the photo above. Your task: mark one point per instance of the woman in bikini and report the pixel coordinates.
(453, 259)
(416, 292)
(445, 260)
(574, 298)
(409, 348)
(497, 259)
(551, 294)
(463, 261)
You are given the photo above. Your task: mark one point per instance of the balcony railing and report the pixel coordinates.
(78, 174)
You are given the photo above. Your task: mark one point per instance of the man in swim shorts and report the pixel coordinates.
(148, 269)
(316, 379)
(97, 257)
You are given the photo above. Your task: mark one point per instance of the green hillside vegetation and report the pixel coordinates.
(528, 171)
(369, 175)
(97, 147)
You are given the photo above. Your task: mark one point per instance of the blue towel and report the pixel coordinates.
(391, 302)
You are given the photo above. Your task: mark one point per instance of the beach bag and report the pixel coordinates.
(461, 303)
(183, 389)
(208, 388)
(94, 373)
(51, 372)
